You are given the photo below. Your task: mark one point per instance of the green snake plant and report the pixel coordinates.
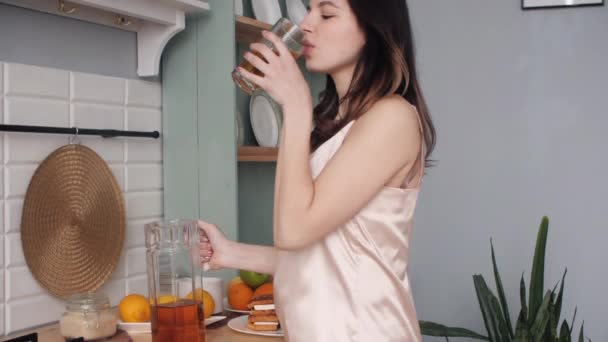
(539, 316)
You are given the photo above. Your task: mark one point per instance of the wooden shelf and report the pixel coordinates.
(257, 154)
(248, 30)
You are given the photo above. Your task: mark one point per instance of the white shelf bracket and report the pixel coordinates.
(152, 39)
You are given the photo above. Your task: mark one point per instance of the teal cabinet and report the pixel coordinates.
(199, 150)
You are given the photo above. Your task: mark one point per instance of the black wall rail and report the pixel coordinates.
(106, 133)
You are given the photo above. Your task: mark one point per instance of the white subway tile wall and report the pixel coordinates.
(2, 317)
(32, 95)
(2, 262)
(2, 285)
(137, 284)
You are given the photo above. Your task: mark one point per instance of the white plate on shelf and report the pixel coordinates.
(267, 11)
(240, 324)
(238, 7)
(266, 119)
(296, 11)
(228, 308)
(146, 327)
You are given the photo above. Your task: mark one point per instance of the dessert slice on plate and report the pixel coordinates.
(262, 314)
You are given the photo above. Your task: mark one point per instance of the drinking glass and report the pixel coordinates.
(293, 38)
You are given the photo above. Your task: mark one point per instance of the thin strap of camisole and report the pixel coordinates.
(421, 157)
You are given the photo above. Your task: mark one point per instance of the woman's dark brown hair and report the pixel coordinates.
(386, 66)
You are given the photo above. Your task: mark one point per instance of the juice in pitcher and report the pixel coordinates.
(179, 321)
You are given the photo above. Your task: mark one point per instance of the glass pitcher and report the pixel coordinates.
(175, 281)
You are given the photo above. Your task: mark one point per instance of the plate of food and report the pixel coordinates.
(262, 318)
(242, 324)
(227, 307)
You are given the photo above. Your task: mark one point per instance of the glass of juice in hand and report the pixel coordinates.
(293, 38)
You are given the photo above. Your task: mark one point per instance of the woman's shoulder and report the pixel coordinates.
(394, 105)
(393, 125)
(389, 113)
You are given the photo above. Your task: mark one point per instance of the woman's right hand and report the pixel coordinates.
(214, 247)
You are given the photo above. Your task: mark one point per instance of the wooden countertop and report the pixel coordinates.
(217, 332)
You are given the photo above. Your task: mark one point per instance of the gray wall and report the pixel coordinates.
(37, 38)
(521, 105)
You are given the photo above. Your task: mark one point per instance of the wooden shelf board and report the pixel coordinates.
(257, 154)
(248, 30)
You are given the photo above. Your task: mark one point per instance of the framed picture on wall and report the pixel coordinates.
(531, 4)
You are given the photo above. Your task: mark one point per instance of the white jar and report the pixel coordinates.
(90, 316)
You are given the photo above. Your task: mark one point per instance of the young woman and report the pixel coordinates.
(344, 195)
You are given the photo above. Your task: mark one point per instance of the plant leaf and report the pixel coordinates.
(551, 328)
(501, 293)
(542, 318)
(490, 310)
(564, 333)
(581, 335)
(522, 295)
(484, 306)
(502, 325)
(522, 330)
(573, 319)
(558, 301)
(436, 329)
(538, 270)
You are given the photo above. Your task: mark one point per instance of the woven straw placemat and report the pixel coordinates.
(73, 222)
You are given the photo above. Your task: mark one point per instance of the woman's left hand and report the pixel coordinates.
(282, 78)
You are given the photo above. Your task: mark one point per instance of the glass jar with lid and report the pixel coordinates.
(90, 316)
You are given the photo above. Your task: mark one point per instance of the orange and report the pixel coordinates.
(205, 297)
(164, 299)
(134, 308)
(235, 280)
(239, 296)
(265, 289)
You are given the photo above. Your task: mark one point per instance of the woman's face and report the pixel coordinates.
(333, 38)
